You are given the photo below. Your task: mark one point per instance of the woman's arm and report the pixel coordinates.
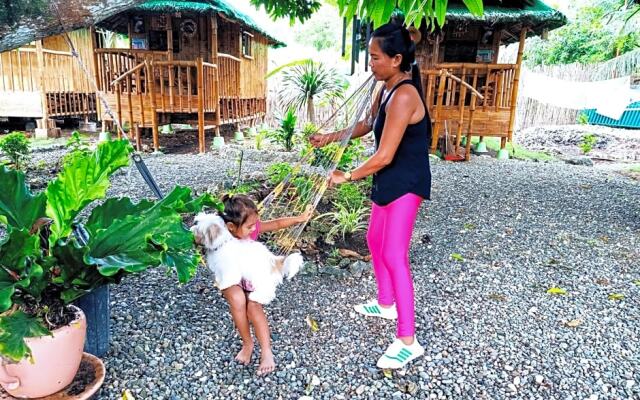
(399, 112)
(320, 140)
(362, 127)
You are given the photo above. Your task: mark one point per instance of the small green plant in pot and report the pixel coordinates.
(47, 260)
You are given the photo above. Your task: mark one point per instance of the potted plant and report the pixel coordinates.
(48, 260)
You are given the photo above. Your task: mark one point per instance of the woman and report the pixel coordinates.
(401, 180)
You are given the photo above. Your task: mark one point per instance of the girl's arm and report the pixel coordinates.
(283, 223)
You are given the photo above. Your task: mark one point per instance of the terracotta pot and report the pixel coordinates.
(55, 362)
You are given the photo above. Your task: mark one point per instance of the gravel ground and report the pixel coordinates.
(490, 329)
(563, 140)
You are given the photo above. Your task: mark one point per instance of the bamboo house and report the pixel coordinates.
(468, 92)
(42, 80)
(197, 62)
(464, 83)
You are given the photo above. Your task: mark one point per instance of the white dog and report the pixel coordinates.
(232, 260)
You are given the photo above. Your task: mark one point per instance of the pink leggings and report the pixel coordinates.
(388, 238)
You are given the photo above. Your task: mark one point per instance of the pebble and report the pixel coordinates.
(536, 226)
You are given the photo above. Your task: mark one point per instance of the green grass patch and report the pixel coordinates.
(515, 151)
(635, 168)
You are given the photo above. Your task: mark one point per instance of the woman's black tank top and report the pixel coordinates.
(409, 171)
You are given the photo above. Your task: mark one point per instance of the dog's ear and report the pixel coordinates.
(197, 236)
(211, 234)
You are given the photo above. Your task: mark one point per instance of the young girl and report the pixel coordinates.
(241, 216)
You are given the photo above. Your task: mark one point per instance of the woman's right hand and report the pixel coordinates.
(320, 140)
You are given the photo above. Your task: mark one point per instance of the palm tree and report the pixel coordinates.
(303, 84)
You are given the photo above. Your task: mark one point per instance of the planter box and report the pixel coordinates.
(96, 308)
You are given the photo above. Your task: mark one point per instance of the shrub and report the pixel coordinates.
(17, 147)
(588, 142)
(277, 172)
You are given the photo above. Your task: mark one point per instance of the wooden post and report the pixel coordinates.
(201, 145)
(516, 80)
(96, 70)
(436, 127)
(130, 101)
(154, 114)
(138, 139)
(130, 32)
(119, 108)
(43, 124)
(216, 82)
(472, 110)
(169, 38)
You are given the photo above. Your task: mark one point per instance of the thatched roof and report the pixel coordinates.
(24, 21)
(117, 23)
(513, 14)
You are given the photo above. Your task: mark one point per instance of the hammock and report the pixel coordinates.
(308, 180)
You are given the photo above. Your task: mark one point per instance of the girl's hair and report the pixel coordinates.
(237, 208)
(395, 39)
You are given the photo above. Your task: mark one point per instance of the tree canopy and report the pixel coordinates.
(600, 31)
(376, 11)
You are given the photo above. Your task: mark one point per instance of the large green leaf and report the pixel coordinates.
(83, 179)
(441, 11)
(144, 238)
(74, 276)
(17, 205)
(114, 209)
(18, 255)
(475, 6)
(14, 328)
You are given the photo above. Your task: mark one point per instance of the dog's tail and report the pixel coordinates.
(292, 264)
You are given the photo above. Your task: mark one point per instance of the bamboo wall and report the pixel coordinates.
(253, 70)
(67, 90)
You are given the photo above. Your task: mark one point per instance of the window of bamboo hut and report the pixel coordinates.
(247, 43)
(228, 37)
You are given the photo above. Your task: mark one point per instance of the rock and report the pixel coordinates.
(358, 268)
(539, 379)
(579, 160)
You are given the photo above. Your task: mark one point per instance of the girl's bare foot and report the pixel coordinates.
(267, 364)
(244, 356)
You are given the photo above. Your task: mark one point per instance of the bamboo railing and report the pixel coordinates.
(229, 84)
(446, 79)
(152, 87)
(449, 96)
(56, 75)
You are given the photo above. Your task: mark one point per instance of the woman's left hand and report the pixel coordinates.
(337, 177)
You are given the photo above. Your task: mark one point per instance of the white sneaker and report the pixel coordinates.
(373, 309)
(399, 354)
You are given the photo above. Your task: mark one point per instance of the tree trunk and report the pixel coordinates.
(20, 24)
(311, 112)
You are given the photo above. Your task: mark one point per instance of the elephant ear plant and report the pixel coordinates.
(43, 264)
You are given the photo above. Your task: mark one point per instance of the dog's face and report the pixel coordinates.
(209, 230)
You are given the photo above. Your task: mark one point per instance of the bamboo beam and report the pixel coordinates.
(516, 80)
(154, 114)
(201, 144)
(41, 83)
(119, 107)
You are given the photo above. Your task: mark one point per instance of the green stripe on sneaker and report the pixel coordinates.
(405, 352)
(376, 309)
